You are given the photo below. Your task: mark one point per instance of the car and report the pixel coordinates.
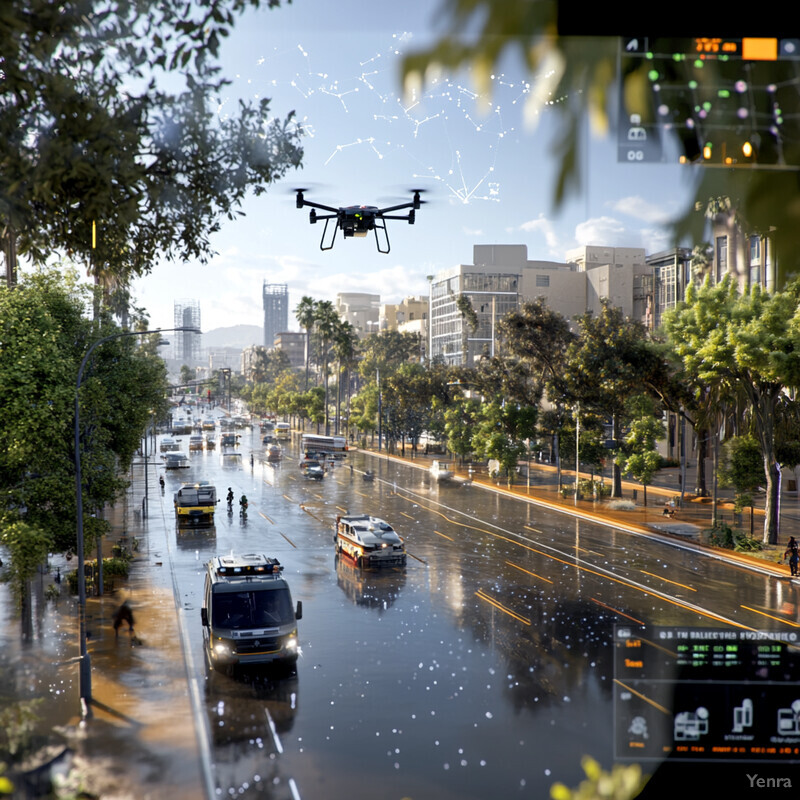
(369, 541)
(169, 445)
(175, 461)
(313, 470)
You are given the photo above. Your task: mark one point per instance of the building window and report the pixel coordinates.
(722, 257)
(542, 281)
(755, 249)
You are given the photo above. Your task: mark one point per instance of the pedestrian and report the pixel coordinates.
(161, 482)
(792, 552)
(123, 614)
(251, 461)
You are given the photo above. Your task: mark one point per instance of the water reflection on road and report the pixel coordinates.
(483, 669)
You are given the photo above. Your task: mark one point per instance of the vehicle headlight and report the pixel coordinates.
(290, 643)
(222, 649)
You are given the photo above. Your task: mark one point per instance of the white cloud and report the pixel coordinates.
(639, 208)
(606, 231)
(544, 227)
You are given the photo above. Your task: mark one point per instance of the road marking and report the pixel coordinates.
(288, 539)
(262, 514)
(570, 561)
(408, 516)
(275, 738)
(535, 530)
(480, 593)
(343, 510)
(667, 580)
(769, 616)
(527, 571)
(617, 611)
(421, 560)
(444, 536)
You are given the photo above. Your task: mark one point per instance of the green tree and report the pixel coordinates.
(345, 349)
(386, 351)
(43, 337)
(305, 314)
(326, 323)
(640, 459)
(501, 433)
(539, 337)
(460, 419)
(750, 342)
(741, 469)
(153, 172)
(606, 365)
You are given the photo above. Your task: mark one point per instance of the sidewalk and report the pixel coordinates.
(691, 517)
(140, 742)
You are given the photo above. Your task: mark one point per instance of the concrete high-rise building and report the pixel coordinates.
(186, 347)
(495, 284)
(276, 311)
(360, 309)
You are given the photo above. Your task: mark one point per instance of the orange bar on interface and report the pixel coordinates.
(760, 49)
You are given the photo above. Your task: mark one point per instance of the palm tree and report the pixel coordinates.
(305, 313)
(344, 348)
(327, 322)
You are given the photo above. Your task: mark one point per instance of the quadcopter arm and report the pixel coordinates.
(410, 217)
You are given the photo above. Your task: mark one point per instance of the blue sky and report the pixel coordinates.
(489, 173)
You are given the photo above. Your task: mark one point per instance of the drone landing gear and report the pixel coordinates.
(382, 226)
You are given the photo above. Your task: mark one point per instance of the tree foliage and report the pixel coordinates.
(44, 334)
(582, 72)
(747, 344)
(90, 135)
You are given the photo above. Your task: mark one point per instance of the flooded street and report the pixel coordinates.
(483, 668)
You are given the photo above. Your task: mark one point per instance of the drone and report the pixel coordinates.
(358, 220)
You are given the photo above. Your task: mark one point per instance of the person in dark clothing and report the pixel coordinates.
(792, 552)
(123, 614)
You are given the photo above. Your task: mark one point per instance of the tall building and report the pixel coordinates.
(276, 311)
(186, 347)
(493, 286)
(360, 309)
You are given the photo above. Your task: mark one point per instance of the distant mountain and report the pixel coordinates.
(238, 336)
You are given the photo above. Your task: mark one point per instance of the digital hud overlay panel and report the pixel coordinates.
(706, 694)
(716, 102)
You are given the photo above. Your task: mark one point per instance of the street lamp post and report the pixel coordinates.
(85, 670)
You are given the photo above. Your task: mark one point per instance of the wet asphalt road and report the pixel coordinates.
(483, 669)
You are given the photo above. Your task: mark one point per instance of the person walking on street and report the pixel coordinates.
(243, 506)
(123, 614)
(792, 552)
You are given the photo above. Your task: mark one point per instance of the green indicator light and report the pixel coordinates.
(649, 56)
(698, 63)
(723, 93)
(692, 84)
(706, 106)
(653, 74)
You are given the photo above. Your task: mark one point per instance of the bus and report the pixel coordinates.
(282, 430)
(313, 446)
